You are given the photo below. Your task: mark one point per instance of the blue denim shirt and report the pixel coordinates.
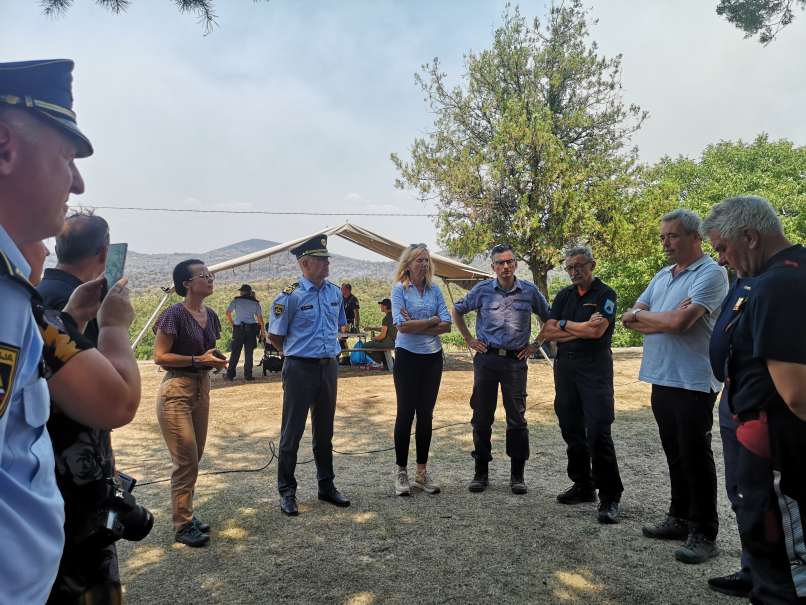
(309, 318)
(418, 307)
(504, 318)
(681, 360)
(245, 310)
(31, 506)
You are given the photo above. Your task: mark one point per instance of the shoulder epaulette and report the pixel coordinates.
(10, 270)
(290, 289)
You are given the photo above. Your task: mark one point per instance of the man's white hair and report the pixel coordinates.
(578, 250)
(733, 215)
(689, 220)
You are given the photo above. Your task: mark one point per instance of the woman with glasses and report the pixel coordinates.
(420, 314)
(185, 346)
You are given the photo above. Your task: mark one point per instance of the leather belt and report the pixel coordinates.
(322, 361)
(501, 352)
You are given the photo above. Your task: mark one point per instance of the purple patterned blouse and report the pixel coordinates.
(189, 338)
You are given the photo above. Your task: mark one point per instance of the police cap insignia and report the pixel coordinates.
(8, 368)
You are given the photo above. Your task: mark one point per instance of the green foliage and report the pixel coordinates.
(765, 18)
(531, 149)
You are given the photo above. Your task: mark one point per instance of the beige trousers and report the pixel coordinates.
(183, 404)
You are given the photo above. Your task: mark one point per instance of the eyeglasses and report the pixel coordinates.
(506, 261)
(207, 276)
(577, 267)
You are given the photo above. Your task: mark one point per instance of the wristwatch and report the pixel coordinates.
(635, 313)
(562, 323)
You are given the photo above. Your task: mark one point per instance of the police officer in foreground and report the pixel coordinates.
(765, 373)
(306, 319)
(581, 322)
(504, 307)
(39, 141)
(247, 329)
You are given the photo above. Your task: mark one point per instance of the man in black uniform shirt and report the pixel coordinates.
(766, 383)
(581, 323)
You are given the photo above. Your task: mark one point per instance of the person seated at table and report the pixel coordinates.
(386, 336)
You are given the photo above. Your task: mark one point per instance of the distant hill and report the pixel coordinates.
(150, 270)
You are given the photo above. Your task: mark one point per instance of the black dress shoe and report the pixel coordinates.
(288, 505)
(201, 525)
(577, 494)
(608, 513)
(334, 497)
(736, 584)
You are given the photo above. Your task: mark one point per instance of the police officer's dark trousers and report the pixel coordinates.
(772, 482)
(489, 371)
(307, 383)
(243, 336)
(730, 454)
(584, 406)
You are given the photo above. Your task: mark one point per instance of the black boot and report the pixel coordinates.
(516, 482)
(479, 483)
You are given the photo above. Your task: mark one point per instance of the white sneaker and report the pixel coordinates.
(402, 482)
(423, 481)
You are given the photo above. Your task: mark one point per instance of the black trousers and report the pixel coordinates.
(772, 485)
(489, 371)
(730, 454)
(685, 419)
(584, 406)
(417, 378)
(243, 336)
(307, 385)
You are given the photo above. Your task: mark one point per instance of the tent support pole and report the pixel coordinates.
(453, 304)
(148, 323)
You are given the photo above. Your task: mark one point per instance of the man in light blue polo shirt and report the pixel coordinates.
(676, 313)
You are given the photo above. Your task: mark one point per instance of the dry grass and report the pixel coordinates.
(453, 547)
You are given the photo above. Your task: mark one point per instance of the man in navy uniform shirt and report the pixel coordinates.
(581, 323)
(39, 141)
(306, 319)
(504, 308)
(765, 375)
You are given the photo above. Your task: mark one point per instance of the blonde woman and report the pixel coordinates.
(420, 314)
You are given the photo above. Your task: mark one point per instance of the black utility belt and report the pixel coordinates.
(501, 352)
(194, 370)
(322, 361)
(245, 325)
(581, 354)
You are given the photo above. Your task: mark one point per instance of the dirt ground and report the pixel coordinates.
(455, 547)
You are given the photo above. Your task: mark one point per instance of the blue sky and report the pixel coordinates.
(297, 105)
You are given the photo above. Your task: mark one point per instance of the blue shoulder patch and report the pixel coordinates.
(609, 307)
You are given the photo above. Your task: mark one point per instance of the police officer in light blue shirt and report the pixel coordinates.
(247, 327)
(504, 307)
(39, 143)
(305, 321)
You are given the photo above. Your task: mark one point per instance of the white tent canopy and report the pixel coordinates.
(450, 271)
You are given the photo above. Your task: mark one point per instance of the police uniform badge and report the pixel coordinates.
(609, 307)
(278, 310)
(8, 368)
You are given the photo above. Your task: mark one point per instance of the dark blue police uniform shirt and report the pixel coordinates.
(720, 337)
(504, 319)
(770, 326)
(570, 305)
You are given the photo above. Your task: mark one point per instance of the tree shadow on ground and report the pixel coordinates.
(452, 547)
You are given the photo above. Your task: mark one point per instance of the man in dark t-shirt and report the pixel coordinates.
(386, 337)
(581, 322)
(765, 375)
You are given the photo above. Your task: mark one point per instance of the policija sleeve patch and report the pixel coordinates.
(8, 368)
(278, 310)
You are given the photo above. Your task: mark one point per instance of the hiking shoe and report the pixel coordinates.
(671, 528)
(697, 549)
(608, 513)
(577, 494)
(423, 481)
(191, 535)
(402, 482)
(737, 584)
(203, 527)
(517, 485)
